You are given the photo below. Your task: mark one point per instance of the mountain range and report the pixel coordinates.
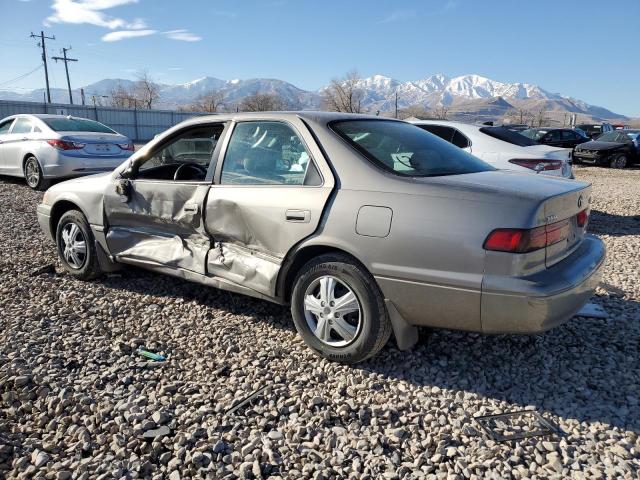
(467, 95)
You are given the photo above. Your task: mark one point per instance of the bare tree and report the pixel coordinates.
(344, 94)
(417, 111)
(540, 118)
(441, 112)
(263, 102)
(122, 97)
(520, 115)
(146, 90)
(212, 102)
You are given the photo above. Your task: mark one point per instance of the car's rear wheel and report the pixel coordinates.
(619, 161)
(33, 174)
(76, 246)
(338, 309)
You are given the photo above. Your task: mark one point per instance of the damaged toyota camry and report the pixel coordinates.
(366, 227)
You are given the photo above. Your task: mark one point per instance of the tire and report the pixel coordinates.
(620, 161)
(344, 334)
(72, 228)
(33, 174)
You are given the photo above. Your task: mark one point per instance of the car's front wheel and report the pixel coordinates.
(619, 161)
(33, 174)
(339, 310)
(76, 246)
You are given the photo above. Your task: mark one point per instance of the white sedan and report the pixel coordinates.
(41, 148)
(502, 148)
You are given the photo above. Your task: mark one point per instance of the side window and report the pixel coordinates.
(444, 133)
(36, 129)
(553, 136)
(267, 153)
(568, 135)
(22, 125)
(459, 140)
(185, 158)
(5, 126)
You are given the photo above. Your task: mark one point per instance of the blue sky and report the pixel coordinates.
(585, 49)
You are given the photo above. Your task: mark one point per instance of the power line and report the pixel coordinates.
(2, 84)
(66, 61)
(44, 59)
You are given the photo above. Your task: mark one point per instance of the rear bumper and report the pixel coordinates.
(546, 299)
(66, 166)
(44, 220)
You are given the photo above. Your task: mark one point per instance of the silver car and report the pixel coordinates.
(41, 148)
(366, 227)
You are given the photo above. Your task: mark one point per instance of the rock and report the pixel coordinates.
(160, 418)
(39, 458)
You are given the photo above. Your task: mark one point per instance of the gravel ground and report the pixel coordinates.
(77, 402)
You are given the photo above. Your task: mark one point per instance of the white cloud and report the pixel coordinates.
(91, 12)
(182, 35)
(123, 34)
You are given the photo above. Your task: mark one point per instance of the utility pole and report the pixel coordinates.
(82, 96)
(396, 105)
(66, 61)
(44, 59)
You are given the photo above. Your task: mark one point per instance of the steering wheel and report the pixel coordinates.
(193, 166)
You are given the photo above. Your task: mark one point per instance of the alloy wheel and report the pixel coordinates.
(73, 245)
(32, 172)
(332, 311)
(620, 161)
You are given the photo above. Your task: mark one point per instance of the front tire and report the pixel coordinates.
(76, 246)
(620, 161)
(339, 310)
(33, 174)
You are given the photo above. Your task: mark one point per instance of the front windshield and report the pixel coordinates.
(534, 134)
(406, 149)
(509, 136)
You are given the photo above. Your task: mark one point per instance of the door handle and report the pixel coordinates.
(299, 216)
(191, 208)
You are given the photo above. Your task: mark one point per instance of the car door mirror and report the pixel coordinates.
(123, 189)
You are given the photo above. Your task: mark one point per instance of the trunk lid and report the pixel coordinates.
(99, 144)
(565, 208)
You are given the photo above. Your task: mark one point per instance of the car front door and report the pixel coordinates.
(155, 214)
(269, 194)
(553, 138)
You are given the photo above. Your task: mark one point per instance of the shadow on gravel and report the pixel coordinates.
(604, 223)
(585, 369)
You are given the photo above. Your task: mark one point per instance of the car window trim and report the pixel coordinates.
(220, 164)
(15, 122)
(166, 141)
(11, 121)
(467, 138)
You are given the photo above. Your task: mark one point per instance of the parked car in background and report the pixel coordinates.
(557, 137)
(616, 149)
(502, 147)
(594, 129)
(42, 148)
(365, 226)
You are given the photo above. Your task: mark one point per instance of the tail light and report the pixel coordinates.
(539, 165)
(582, 218)
(126, 146)
(65, 145)
(521, 240)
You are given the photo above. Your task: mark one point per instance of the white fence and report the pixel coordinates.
(139, 125)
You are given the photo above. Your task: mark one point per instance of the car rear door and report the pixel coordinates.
(5, 127)
(269, 194)
(13, 144)
(155, 217)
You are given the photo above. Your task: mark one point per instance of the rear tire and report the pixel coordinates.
(33, 174)
(620, 161)
(339, 310)
(76, 246)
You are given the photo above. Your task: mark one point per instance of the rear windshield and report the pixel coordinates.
(590, 128)
(508, 136)
(76, 125)
(534, 134)
(406, 149)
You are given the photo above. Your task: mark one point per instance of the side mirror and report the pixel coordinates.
(123, 189)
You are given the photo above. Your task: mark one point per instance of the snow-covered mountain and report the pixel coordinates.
(379, 93)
